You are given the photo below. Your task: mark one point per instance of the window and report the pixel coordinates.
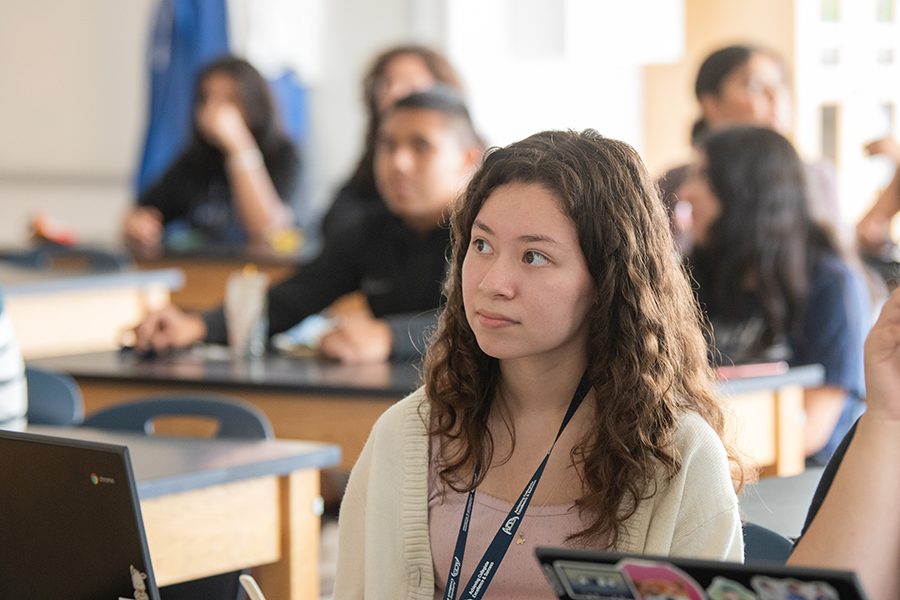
(831, 10)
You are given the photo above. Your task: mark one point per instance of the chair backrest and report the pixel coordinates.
(763, 544)
(53, 398)
(236, 418)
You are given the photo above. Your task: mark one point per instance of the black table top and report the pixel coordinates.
(213, 366)
(169, 465)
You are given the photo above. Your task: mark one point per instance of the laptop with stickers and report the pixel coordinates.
(582, 575)
(70, 521)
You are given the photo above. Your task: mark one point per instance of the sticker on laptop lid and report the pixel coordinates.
(770, 588)
(726, 589)
(138, 580)
(586, 581)
(660, 581)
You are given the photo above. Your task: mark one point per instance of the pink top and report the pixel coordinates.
(519, 576)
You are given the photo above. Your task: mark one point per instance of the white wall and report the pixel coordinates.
(71, 110)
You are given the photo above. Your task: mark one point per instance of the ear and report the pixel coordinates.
(472, 157)
(711, 107)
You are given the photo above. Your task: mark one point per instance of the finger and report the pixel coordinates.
(337, 346)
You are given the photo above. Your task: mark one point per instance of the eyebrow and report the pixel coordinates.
(528, 238)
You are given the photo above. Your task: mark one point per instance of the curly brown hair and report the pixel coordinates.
(646, 351)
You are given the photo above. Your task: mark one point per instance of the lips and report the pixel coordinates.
(401, 187)
(492, 320)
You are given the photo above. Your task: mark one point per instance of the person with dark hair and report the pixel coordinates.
(771, 280)
(426, 149)
(233, 184)
(395, 73)
(747, 85)
(569, 352)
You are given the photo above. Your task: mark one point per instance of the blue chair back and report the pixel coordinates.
(236, 418)
(53, 398)
(764, 545)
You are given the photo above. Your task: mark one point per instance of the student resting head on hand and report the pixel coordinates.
(233, 184)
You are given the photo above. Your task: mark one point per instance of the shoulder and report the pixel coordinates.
(836, 283)
(830, 267)
(697, 442)
(695, 511)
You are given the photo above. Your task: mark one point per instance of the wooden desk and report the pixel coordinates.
(214, 506)
(769, 413)
(206, 275)
(61, 312)
(306, 399)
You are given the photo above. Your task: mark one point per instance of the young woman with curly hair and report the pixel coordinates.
(569, 336)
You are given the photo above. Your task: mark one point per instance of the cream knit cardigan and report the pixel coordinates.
(384, 550)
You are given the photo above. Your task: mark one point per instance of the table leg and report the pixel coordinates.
(790, 459)
(296, 575)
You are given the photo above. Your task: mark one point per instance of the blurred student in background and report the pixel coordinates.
(747, 85)
(426, 149)
(773, 283)
(234, 183)
(394, 74)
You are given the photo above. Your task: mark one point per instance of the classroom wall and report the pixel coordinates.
(70, 110)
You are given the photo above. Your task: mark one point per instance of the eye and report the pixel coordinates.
(421, 146)
(756, 86)
(481, 246)
(535, 259)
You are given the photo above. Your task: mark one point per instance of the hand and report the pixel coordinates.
(223, 126)
(873, 235)
(357, 339)
(882, 362)
(169, 327)
(885, 146)
(142, 230)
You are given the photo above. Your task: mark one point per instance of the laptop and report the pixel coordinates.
(70, 521)
(584, 575)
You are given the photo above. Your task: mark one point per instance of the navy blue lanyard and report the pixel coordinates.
(482, 576)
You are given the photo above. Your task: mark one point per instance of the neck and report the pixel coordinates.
(531, 388)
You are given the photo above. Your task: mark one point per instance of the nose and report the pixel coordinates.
(402, 160)
(499, 279)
